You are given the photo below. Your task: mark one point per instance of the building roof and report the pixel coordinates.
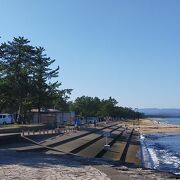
(45, 110)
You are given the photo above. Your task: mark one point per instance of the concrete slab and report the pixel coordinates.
(132, 155)
(52, 141)
(115, 152)
(95, 148)
(76, 143)
(68, 147)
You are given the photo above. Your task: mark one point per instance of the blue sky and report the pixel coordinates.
(129, 49)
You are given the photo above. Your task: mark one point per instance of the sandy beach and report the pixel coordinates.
(151, 126)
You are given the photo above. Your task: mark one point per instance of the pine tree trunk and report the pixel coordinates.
(18, 115)
(39, 110)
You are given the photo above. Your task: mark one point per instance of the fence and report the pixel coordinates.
(48, 131)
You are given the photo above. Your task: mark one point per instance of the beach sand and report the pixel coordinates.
(145, 126)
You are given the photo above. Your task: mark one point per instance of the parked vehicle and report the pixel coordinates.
(6, 119)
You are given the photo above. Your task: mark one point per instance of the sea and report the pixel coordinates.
(163, 148)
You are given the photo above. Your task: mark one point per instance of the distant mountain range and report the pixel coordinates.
(160, 112)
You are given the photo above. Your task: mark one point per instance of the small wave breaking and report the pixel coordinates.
(160, 154)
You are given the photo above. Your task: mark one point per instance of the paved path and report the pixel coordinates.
(33, 166)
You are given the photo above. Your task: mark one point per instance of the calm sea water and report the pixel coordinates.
(175, 121)
(164, 148)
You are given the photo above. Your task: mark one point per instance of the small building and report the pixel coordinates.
(65, 118)
(52, 117)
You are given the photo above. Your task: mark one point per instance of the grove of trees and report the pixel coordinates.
(88, 106)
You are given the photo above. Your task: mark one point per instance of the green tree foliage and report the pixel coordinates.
(42, 73)
(108, 107)
(60, 100)
(15, 62)
(26, 78)
(86, 106)
(89, 106)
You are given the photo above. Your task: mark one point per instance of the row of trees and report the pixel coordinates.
(89, 106)
(27, 78)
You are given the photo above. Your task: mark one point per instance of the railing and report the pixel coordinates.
(48, 131)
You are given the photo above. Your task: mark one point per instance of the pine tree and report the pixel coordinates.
(15, 63)
(42, 88)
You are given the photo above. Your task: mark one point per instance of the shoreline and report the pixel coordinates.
(153, 126)
(146, 159)
(147, 127)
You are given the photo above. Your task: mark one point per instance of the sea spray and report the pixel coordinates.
(145, 155)
(161, 151)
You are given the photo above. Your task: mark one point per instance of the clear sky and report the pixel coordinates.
(127, 49)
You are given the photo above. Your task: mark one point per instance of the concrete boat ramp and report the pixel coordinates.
(123, 142)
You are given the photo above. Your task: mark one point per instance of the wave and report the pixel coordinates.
(158, 154)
